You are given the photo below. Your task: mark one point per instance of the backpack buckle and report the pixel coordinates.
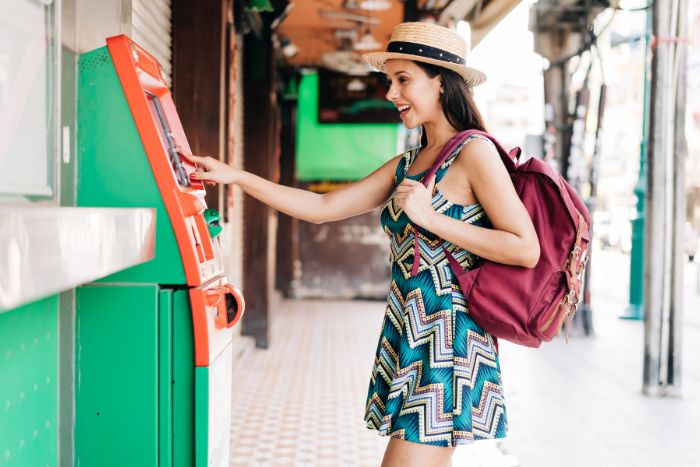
(568, 304)
(581, 266)
(573, 263)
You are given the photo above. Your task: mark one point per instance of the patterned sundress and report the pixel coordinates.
(436, 376)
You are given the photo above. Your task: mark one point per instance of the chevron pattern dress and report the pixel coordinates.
(436, 376)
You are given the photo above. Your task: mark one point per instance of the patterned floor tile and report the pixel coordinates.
(301, 401)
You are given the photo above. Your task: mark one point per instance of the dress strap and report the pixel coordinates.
(407, 160)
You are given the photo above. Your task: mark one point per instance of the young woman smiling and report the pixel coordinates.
(436, 380)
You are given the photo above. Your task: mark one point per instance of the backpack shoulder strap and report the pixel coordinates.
(509, 159)
(442, 170)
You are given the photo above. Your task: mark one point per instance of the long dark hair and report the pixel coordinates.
(456, 100)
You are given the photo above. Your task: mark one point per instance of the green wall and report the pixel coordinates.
(337, 151)
(29, 385)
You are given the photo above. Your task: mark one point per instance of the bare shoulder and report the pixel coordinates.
(481, 165)
(390, 166)
(394, 161)
(477, 153)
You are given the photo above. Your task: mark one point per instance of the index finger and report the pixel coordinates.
(188, 156)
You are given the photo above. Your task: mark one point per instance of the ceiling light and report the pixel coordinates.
(290, 50)
(367, 42)
(350, 63)
(356, 85)
(375, 5)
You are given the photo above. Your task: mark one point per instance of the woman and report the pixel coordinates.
(436, 378)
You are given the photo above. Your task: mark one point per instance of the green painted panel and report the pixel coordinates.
(165, 378)
(29, 385)
(113, 170)
(337, 151)
(201, 441)
(116, 387)
(183, 381)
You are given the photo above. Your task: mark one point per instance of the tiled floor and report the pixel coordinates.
(301, 401)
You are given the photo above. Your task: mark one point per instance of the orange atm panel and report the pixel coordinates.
(159, 126)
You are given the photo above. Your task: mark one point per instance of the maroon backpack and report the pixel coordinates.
(522, 305)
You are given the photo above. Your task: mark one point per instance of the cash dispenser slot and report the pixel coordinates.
(215, 308)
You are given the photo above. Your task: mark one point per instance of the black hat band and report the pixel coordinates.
(425, 51)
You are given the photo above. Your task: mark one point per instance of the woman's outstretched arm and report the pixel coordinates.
(354, 199)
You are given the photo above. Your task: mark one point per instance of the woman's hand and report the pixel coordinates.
(416, 201)
(210, 169)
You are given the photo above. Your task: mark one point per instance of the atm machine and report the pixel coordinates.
(153, 343)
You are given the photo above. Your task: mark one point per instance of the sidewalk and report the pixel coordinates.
(581, 404)
(301, 402)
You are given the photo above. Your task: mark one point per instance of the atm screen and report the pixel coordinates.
(167, 136)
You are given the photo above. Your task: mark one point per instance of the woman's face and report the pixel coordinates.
(416, 96)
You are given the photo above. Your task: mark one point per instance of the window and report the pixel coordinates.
(28, 97)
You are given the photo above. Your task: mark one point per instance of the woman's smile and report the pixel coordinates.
(415, 94)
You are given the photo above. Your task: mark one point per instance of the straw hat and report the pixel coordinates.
(428, 43)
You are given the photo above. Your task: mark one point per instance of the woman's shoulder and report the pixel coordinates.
(479, 143)
(479, 159)
(473, 144)
(476, 148)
